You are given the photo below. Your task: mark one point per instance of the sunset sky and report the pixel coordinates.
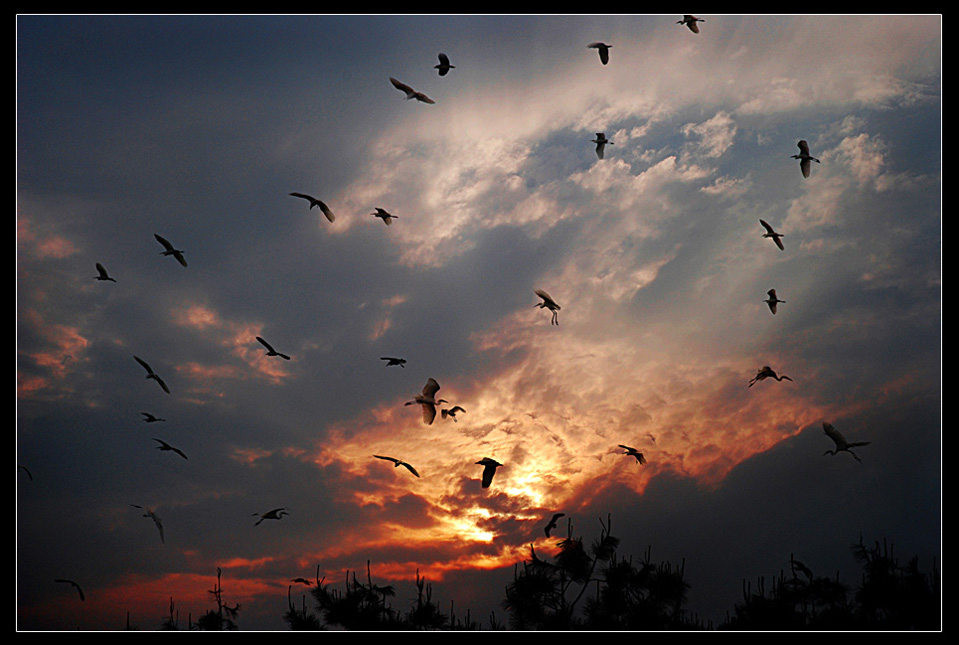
(198, 128)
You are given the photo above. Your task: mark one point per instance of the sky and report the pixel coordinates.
(198, 128)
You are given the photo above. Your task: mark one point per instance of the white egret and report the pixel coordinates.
(153, 516)
(489, 469)
(275, 514)
(804, 158)
(428, 401)
(385, 216)
(390, 360)
(444, 67)
(548, 303)
(841, 444)
(410, 92)
(167, 447)
(773, 300)
(633, 453)
(270, 351)
(170, 250)
(767, 372)
(152, 375)
(102, 273)
(601, 142)
(603, 51)
(397, 463)
(776, 237)
(316, 202)
(690, 21)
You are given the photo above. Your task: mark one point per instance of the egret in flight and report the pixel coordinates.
(167, 447)
(767, 372)
(390, 360)
(634, 453)
(804, 158)
(690, 21)
(385, 216)
(489, 469)
(275, 514)
(776, 237)
(773, 300)
(428, 401)
(153, 516)
(170, 250)
(548, 303)
(601, 142)
(152, 375)
(552, 523)
(444, 67)
(149, 418)
(316, 202)
(603, 51)
(397, 463)
(103, 273)
(451, 413)
(270, 351)
(410, 92)
(841, 444)
(75, 586)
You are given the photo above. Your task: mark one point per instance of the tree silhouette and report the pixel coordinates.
(223, 618)
(360, 606)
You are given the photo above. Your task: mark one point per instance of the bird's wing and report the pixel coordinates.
(409, 468)
(387, 458)
(444, 59)
(75, 586)
(431, 388)
(162, 383)
(456, 409)
(545, 296)
(779, 243)
(166, 244)
(429, 413)
(625, 447)
(772, 305)
(326, 211)
(265, 344)
(804, 167)
(693, 27)
(403, 87)
(156, 520)
(179, 452)
(832, 433)
(101, 270)
(179, 258)
(144, 364)
(769, 229)
(301, 195)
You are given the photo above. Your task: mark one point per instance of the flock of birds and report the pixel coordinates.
(427, 399)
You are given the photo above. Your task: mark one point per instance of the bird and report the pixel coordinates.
(410, 92)
(149, 418)
(767, 372)
(275, 514)
(840, 441)
(489, 469)
(316, 202)
(103, 274)
(548, 303)
(776, 237)
(802, 568)
(690, 21)
(603, 51)
(444, 67)
(601, 142)
(270, 351)
(633, 452)
(390, 360)
(165, 447)
(26, 470)
(75, 586)
(153, 516)
(773, 300)
(451, 413)
(552, 523)
(152, 375)
(804, 157)
(302, 581)
(385, 216)
(397, 463)
(428, 401)
(170, 250)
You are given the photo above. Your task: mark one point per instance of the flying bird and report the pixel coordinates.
(633, 452)
(166, 447)
(270, 351)
(548, 303)
(601, 142)
(316, 202)
(489, 469)
(552, 523)
(394, 361)
(149, 418)
(302, 581)
(153, 516)
(152, 375)
(428, 401)
(603, 51)
(397, 463)
(385, 216)
(103, 273)
(690, 21)
(170, 250)
(767, 372)
(275, 514)
(451, 413)
(410, 92)
(776, 237)
(75, 586)
(444, 67)
(841, 444)
(804, 158)
(773, 300)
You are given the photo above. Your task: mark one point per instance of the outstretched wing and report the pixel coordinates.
(144, 364)
(265, 344)
(326, 211)
(431, 388)
(166, 243)
(403, 87)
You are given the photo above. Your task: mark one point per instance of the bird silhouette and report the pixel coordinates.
(548, 303)
(603, 51)
(451, 413)
(601, 142)
(152, 375)
(102, 273)
(410, 92)
(394, 361)
(804, 158)
(552, 523)
(633, 452)
(428, 401)
(799, 566)
(302, 581)
(690, 21)
(153, 516)
(164, 446)
(75, 586)
(170, 250)
(385, 216)
(275, 514)
(149, 418)
(316, 202)
(444, 67)
(270, 351)
(26, 470)
(776, 237)
(767, 372)
(773, 300)
(397, 463)
(489, 469)
(841, 444)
